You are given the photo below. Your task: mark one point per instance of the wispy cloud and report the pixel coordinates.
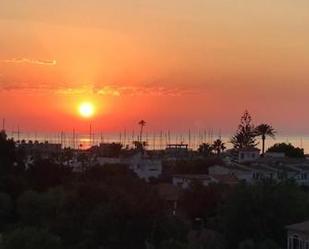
(30, 61)
(116, 91)
(107, 90)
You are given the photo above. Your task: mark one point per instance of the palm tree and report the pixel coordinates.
(205, 149)
(218, 146)
(142, 123)
(265, 130)
(140, 146)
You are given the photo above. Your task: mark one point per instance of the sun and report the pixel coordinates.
(86, 109)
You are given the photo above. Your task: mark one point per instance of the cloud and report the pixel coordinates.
(30, 61)
(107, 90)
(138, 90)
(146, 90)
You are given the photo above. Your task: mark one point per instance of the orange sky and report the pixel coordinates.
(177, 64)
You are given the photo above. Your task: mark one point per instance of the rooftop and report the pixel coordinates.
(300, 227)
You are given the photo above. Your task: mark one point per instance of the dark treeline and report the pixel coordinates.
(47, 205)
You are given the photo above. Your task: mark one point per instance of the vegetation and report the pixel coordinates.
(142, 123)
(245, 134)
(47, 205)
(218, 146)
(288, 149)
(259, 213)
(265, 130)
(207, 149)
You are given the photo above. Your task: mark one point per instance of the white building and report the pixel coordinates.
(184, 181)
(298, 236)
(144, 166)
(242, 173)
(248, 155)
(277, 155)
(302, 176)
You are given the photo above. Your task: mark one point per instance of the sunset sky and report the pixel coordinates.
(177, 64)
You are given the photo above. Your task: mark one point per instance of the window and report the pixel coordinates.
(242, 155)
(296, 242)
(290, 241)
(253, 155)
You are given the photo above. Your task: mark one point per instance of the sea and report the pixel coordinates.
(155, 140)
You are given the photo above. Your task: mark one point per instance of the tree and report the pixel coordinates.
(140, 146)
(205, 149)
(142, 123)
(31, 238)
(7, 153)
(288, 149)
(40, 209)
(44, 174)
(265, 130)
(218, 146)
(6, 210)
(200, 201)
(245, 134)
(246, 244)
(268, 208)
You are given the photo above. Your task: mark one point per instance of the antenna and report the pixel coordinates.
(61, 138)
(189, 138)
(18, 133)
(125, 137)
(90, 135)
(73, 138)
(3, 124)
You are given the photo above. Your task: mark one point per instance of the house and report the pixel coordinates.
(242, 173)
(284, 172)
(261, 172)
(144, 166)
(274, 155)
(298, 235)
(43, 150)
(250, 154)
(107, 149)
(302, 176)
(225, 179)
(177, 151)
(184, 181)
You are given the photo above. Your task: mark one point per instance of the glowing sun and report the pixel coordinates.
(86, 109)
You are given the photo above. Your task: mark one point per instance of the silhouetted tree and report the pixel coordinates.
(142, 123)
(288, 149)
(200, 201)
(44, 174)
(268, 208)
(205, 149)
(6, 210)
(218, 146)
(140, 146)
(265, 130)
(31, 238)
(245, 134)
(7, 153)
